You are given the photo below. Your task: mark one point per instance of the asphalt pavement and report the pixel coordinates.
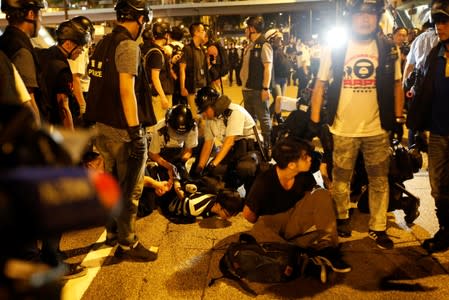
(189, 256)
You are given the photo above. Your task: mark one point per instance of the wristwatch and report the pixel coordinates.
(265, 89)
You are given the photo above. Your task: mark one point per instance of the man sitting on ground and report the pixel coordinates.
(285, 206)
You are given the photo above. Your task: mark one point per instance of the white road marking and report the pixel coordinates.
(74, 289)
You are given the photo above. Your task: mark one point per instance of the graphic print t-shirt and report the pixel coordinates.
(358, 110)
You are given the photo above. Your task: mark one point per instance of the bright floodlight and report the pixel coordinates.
(336, 36)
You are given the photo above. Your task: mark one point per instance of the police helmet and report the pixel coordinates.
(180, 118)
(206, 97)
(24, 5)
(257, 22)
(85, 23)
(439, 11)
(272, 34)
(176, 33)
(365, 6)
(147, 33)
(132, 9)
(160, 29)
(69, 30)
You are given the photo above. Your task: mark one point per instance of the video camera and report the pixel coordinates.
(43, 193)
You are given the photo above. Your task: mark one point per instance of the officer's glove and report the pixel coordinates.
(313, 130)
(138, 142)
(398, 129)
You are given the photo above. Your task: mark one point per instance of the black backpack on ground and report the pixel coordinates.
(261, 262)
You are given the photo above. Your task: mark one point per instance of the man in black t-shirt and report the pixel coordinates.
(285, 206)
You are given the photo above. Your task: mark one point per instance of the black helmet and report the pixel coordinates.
(180, 118)
(132, 9)
(147, 33)
(206, 97)
(365, 6)
(439, 11)
(85, 23)
(257, 22)
(176, 33)
(25, 5)
(69, 30)
(160, 29)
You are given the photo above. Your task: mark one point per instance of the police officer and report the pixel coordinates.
(231, 128)
(24, 21)
(120, 104)
(79, 66)
(429, 111)
(157, 66)
(257, 75)
(71, 39)
(365, 100)
(173, 141)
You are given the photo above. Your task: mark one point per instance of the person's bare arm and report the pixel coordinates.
(158, 86)
(249, 215)
(225, 148)
(128, 99)
(182, 79)
(205, 153)
(317, 100)
(398, 99)
(64, 110)
(265, 95)
(407, 70)
(78, 92)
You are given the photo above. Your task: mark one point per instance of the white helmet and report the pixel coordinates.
(271, 34)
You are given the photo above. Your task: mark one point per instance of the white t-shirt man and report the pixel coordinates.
(358, 110)
(239, 124)
(79, 66)
(188, 140)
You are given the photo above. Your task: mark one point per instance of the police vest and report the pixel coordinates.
(54, 63)
(256, 68)
(385, 82)
(8, 92)
(189, 58)
(103, 102)
(14, 39)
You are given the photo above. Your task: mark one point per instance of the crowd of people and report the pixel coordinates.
(162, 102)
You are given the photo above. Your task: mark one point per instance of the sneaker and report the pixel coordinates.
(331, 257)
(344, 227)
(439, 243)
(137, 252)
(74, 271)
(382, 239)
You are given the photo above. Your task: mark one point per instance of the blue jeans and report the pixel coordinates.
(114, 146)
(439, 176)
(376, 154)
(259, 110)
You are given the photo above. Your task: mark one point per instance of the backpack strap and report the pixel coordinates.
(147, 55)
